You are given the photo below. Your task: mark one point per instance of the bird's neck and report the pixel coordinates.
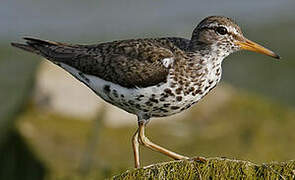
(210, 52)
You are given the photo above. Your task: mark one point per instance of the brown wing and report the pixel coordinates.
(129, 63)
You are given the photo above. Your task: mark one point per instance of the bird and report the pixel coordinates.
(151, 77)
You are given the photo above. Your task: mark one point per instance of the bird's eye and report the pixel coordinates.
(221, 30)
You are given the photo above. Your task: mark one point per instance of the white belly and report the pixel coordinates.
(155, 101)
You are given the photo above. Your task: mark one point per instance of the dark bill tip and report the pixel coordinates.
(277, 56)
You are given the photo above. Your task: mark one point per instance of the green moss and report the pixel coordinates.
(214, 168)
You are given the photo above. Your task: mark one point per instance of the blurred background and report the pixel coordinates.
(53, 127)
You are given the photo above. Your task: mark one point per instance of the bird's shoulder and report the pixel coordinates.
(141, 48)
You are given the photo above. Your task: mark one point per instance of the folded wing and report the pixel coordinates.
(129, 63)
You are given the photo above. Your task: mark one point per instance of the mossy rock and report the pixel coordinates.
(214, 168)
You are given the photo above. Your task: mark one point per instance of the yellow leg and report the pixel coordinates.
(135, 147)
(147, 143)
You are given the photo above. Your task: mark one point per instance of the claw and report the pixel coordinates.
(199, 159)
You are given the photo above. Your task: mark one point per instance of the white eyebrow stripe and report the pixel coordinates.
(212, 25)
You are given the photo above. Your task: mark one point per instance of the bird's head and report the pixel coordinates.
(223, 35)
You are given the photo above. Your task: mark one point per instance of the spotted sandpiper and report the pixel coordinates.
(151, 77)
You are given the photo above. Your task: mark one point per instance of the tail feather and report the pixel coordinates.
(37, 41)
(36, 45)
(24, 47)
(51, 50)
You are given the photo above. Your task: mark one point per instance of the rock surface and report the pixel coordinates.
(214, 168)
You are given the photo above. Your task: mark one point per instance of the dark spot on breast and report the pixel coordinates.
(178, 98)
(162, 98)
(197, 84)
(178, 90)
(131, 102)
(154, 100)
(198, 91)
(125, 104)
(173, 85)
(164, 110)
(166, 105)
(155, 108)
(202, 62)
(187, 83)
(191, 64)
(137, 106)
(138, 98)
(148, 103)
(168, 91)
(174, 107)
(122, 96)
(185, 93)
(106, 89)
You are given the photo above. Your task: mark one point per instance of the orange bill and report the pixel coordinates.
(252, 46)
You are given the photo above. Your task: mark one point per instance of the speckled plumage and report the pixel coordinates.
(137, 65)
(151, 77)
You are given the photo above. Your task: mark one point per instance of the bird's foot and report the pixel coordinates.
(199, 159)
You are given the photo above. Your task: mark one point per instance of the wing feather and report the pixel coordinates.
(129, 63)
